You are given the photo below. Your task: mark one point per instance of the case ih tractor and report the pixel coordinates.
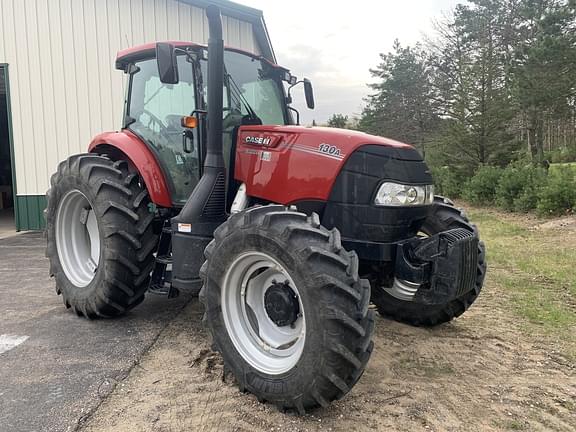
(289, 231)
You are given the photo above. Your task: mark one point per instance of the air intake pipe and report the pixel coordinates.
(205, 209)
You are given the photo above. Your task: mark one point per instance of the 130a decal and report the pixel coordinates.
(329, 149)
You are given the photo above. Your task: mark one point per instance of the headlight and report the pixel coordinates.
(399, 195)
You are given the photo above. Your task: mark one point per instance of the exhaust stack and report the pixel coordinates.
(205, 209)
(214, 157)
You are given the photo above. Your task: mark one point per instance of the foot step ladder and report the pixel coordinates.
(161, 280)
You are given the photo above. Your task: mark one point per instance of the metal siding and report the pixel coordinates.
(12, 51)
(63, 85)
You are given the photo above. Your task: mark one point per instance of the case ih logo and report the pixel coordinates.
(258, 140)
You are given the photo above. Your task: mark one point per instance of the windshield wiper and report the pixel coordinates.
(238, 93)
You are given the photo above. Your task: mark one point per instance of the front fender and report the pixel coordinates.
(141, 158)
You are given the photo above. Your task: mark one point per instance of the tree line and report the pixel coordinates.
(495, 83)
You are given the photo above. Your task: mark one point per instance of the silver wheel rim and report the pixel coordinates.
(403, 289)
(77, 238)
(263, 344)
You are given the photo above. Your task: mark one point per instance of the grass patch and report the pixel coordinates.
(547, 256)
(537, 302)
(555, 166)
(535, 268)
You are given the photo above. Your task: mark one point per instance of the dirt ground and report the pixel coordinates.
(486, 371)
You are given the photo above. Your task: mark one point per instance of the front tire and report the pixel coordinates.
(285, 307)
(100, 241)
(443, 216)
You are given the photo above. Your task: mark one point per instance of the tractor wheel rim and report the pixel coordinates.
(77, 238)
(268, 347)
(404, 289)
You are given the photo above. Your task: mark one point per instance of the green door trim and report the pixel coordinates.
(4, 68)
(30, 209)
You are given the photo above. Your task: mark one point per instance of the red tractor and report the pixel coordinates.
(289, 231)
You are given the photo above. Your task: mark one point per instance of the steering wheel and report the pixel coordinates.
(155, 120)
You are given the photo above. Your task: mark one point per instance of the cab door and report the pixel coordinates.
(155, 110)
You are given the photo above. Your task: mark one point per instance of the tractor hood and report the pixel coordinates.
(289, 164)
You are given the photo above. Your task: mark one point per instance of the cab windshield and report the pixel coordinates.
(251, 84)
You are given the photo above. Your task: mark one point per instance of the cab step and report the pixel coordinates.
(161, 280)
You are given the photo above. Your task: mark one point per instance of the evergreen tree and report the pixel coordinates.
(496, 81)
(545, 68)
(338, 121)
(402, 106)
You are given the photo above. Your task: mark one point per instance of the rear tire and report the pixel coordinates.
(117, 204)
(444, 216)
(337, 325)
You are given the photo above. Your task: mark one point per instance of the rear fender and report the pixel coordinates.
(141, 157)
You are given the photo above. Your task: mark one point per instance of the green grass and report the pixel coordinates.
(536, 269)
(566, 164)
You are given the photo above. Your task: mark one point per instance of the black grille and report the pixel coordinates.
(214, 207)
(465, 246)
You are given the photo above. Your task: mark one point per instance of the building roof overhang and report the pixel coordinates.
(243, 13)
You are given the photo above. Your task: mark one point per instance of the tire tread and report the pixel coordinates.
(120, 201)
(343, 300)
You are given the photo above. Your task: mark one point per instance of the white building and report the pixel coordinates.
(58, 85)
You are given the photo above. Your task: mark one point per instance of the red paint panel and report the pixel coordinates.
(142, 158)
(285, 164)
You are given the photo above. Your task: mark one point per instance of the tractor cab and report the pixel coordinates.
(253, 94)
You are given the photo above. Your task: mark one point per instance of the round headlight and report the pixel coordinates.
(412, 195)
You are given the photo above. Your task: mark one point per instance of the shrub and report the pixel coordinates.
(558, 195)
(447, 182)
(518, 187)
(481, 188)
(562, 155)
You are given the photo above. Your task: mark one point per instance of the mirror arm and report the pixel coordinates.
(297, 114)
(307, 91)
(189, 54)
(289, 100)
(291, 87)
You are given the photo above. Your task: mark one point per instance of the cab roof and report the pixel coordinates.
(148, 50)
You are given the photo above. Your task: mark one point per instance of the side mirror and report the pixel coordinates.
(309, 93)
(167, 63)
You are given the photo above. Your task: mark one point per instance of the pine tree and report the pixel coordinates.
(545, 68)
(402, 106)
(338, 121)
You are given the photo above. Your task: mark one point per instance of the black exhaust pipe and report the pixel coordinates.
(205, 209)
(214, 157)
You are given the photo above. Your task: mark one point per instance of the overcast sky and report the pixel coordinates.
(335, 43)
